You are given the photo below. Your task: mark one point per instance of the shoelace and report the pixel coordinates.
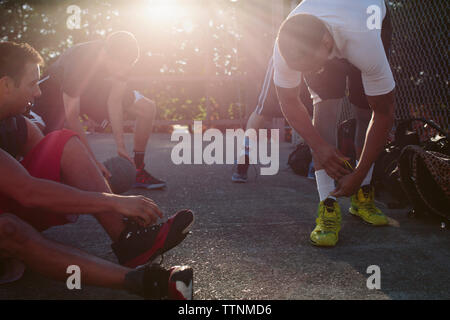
(369, 206)
(328, 224)
(136, 229)
(142, 173)
(368, 203)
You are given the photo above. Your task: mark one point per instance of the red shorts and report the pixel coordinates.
(44, 162)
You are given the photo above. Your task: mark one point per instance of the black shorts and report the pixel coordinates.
(329, 83)
(50, 107)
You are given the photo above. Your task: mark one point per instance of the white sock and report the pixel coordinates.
(325, 184)
(368, 177)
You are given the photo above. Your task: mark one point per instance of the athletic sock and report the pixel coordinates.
(368, 177)
(139, 159)
(325, 184)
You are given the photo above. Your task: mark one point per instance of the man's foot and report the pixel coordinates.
(240, 175)
(328, 224)
(363, 206)
(147, 181)
(158, 283)
(138, 245)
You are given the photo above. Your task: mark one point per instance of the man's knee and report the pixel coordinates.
(74, 147)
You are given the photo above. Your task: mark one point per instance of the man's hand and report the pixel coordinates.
(332, 160)
(122, 152)
(142, 209)
(297, 116)
(348, 185)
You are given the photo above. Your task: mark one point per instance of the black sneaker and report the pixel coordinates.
(240, 176)
(138, 245)
(147, 181)
(175, 283)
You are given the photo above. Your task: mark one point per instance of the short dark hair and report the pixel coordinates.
(13, 58)
(300, 36)
(122, 46)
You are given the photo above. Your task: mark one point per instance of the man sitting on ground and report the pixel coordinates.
(58, 179)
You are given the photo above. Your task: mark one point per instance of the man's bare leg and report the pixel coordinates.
(255, 122)
(79, 170)
(325, 120)
(21, 241)
(145, 111)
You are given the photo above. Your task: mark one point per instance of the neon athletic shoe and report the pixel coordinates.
(325, 234)
(363, 206)
(146, 181)
(158, 283)
(138, 245)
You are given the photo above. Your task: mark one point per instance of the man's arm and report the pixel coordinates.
(297, 116)
(115, 112)
(378, 130)
(383, 107)
(31, 192)
(18, 184)
(72, 112)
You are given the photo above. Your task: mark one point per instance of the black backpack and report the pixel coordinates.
(386, 173)
(425, 178)
(300, 159)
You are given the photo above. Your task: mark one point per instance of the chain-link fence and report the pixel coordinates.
(419, 60)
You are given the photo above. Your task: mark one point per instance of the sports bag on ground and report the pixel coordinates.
(386, 175)
(425, 178)
(300, 159)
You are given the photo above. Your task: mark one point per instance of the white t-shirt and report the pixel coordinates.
(347, 21)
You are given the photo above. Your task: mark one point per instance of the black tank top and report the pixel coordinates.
(13, 134)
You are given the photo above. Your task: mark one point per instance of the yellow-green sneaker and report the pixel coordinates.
(363, 206)
(328, 224)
